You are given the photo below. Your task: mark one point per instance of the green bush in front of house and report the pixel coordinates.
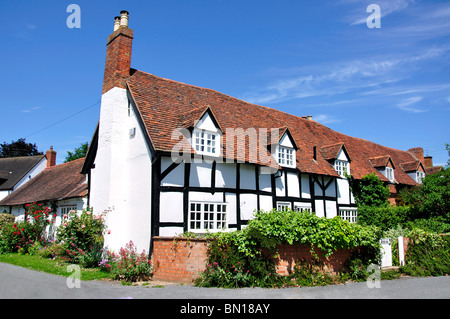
(244, 258)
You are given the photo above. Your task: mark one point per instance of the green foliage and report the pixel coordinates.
(6, 219)
(18, 148)
(428, 254)
(432, 197)
(309, 273)
(81, 234)
(128, 265)
(327, 234)
(369, 191)
(20, 236)
(244, 258)
(79, 152)
(384, 217)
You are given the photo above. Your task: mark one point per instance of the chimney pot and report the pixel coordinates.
(124, 18)
(309, 117)
(116, 23)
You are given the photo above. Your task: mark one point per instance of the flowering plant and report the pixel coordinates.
(21, 235)
(128, 265)
(81, 235)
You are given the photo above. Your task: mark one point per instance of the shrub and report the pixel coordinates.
(428, 254)
(6, 219)
(81, 234)
(22, 235)
(369, 191)
(128, 265)
(385, 217)
(244, 258)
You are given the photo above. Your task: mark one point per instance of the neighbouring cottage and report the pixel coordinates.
(16, 171)
(62, 188)
(168, 157)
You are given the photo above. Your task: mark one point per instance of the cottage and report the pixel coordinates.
(168, 157)
(62, 188)
(16, 171)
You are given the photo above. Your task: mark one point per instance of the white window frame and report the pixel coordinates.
(349, 214)
(342, 166)
(286, 156)
(283, 206)
(302, 208)
(66, 209)
(206, 142)
(419, 176)
(207, 216)
(389, 173)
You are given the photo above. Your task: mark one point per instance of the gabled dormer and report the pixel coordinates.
(206, 135)
(384, 165)
(337, 155)
(285, 150)
(415, 170)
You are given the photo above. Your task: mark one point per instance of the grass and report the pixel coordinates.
(55, 267)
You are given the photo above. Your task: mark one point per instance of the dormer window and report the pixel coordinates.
(285, 150)
(206, 135)
(390, 173)
(342, 167)
(205, 142)
(420, 176)
(286, 156)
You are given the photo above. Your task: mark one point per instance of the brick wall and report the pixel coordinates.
(182, 259)
(289, 254)
(178, 259)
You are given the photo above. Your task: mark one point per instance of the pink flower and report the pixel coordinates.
(109, 231)
(82, 226)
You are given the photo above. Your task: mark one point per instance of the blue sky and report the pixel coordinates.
(390, 85)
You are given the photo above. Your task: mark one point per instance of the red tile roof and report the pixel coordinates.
(55, 183)
(165, 105)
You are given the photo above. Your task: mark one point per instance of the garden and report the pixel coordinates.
(35, 242)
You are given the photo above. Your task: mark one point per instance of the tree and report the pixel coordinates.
(79, 152)
(18, 148)
(432, 197)
(369, 191)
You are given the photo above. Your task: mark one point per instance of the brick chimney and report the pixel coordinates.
(118, 54)
(428, 161)
(417, 152)
(51, 157)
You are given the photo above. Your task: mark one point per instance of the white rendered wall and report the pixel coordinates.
(121, 179)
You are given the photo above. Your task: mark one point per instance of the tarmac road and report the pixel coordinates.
(21, 283)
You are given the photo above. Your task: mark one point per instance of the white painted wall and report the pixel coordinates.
(121, 179)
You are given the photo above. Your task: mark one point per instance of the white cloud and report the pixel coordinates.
(405, 104)
(325, 119)
(31, 109)
(342, 77)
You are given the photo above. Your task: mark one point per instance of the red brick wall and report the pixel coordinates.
(182, 259)
(289, 254)
(178, 259)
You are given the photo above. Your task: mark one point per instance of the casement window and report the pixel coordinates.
(390, 173)
(283, 206)
(419, 177)
(286, 156)
(205, 142)
(207, 216)
(65, 210)
(349, 214)
(302, 208)
(341, 167)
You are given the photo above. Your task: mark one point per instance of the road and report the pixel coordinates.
(17, 282)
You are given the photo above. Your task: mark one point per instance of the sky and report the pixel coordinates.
(388, 82)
